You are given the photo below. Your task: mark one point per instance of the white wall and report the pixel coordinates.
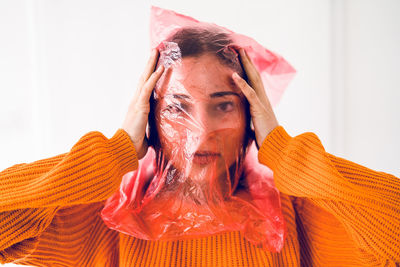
(69, 67)
(372, 85)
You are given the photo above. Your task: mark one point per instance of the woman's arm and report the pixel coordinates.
(31, 194)
(90, 172)
(366, 202)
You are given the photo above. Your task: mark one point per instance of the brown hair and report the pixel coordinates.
(194, 42)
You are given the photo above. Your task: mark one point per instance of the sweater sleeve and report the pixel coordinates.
(366, 202)
(31, 194)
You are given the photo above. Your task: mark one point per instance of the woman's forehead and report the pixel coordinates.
(200, 77)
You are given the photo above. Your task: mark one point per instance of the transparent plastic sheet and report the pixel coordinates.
(275, 71)
(201, 175)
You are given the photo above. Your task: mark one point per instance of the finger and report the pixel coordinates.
(251, 71)
(255, 80)
(150, 84)
(248, 91)
(151, 64)
(249, 63)
(163, 85)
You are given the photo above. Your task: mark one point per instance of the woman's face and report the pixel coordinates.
(200, 117)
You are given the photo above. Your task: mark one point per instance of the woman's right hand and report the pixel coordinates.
(136, 119)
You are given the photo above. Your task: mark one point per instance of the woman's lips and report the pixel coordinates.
(205, 157)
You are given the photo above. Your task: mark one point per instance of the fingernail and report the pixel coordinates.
(236, 76)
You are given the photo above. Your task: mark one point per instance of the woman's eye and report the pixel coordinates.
(225, 106)
(175, 108)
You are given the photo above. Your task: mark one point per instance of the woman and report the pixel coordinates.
(200, 131)
(337, 213)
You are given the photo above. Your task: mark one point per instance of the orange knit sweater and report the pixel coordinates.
(338, 213)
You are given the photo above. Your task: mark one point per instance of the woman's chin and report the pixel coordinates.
(209, 171)
(201, 170)
(205, 160)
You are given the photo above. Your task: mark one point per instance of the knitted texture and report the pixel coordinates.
(338, 213)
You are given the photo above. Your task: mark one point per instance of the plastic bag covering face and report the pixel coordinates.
(203, 176)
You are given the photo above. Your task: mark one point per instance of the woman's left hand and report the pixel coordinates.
(263, 117)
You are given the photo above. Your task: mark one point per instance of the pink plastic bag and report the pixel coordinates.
(201, 176)
(275, 71)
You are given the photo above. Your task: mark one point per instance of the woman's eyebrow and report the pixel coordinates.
(224, 93)
(180, 96)
(213, 95)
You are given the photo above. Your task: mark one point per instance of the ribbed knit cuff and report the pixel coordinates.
(272, 146)
(123, 150)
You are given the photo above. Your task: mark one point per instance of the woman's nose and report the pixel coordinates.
(205, 122)
(203, 132)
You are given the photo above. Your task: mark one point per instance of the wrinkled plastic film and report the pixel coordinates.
(276, 73)
(201, 176)
(169, 54)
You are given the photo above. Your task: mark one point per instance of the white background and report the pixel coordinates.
(70, 67)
